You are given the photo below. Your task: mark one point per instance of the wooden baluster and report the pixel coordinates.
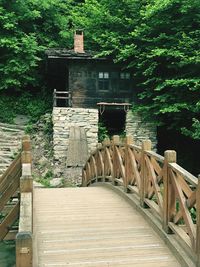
(106, 143)
(84, 181)
(169, 197)
(99, 147)
(146, 145)
(115, 142)
(198, 223)
(128, 141)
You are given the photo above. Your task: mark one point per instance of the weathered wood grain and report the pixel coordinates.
(94, 227)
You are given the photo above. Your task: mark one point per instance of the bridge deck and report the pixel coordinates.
(94, 227)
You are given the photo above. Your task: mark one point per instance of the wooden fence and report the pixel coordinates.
(171, 193)
(65, 96)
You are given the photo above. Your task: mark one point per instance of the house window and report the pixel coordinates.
(124, 83)
(125, 75)
(103, 81)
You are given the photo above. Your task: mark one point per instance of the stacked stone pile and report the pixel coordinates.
(10, 143)
(140, 130)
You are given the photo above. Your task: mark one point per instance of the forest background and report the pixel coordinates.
(158, 40)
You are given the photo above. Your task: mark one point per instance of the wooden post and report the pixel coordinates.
(54, 98)
(26, 143)
(128, 141)
(115, 142)
(69, 99)
(198, 223)
(146, 145)
(24, 252)
(26, 181)
(169, 199)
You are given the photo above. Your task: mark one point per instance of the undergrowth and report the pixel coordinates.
(31, 105)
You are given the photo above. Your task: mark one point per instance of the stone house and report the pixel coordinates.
(90, 90)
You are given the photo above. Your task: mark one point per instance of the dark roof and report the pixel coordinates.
(70, 54)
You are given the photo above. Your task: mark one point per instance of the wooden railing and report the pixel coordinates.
(62, 95)
(24, 238)
(16, 186)
(9, 201)
(170, 193)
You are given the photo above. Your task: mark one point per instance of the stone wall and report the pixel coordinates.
(63, 119)
(140, 130)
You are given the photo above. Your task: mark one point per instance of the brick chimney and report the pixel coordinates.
(78, 42)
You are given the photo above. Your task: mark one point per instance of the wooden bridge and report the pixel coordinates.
(135, 208)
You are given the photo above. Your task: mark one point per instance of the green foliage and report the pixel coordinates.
(159, 42)
(46, 179)
(102, 132)
(28, 28)
(25, 104)
(7, 114)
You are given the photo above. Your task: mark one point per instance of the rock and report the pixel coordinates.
(43, 161)
(37, 184)
(56, 182)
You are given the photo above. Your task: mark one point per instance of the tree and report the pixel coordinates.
(159, 41)
(27, 29)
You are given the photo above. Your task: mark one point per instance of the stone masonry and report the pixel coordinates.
(63, 119)
(140, 130)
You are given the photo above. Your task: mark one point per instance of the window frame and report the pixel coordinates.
(104, 79)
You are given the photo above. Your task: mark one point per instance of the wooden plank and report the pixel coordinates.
(62, 92)
(191, 179)
(25, 222)
(185, 212)
(11, 235)
(153, 205)
(62, 97)
(14, 171)
(146, 146)
(181, 233)
(77, 153)
(11, 189)
(100, 231)
(155, 184)
(192, 199)
(8, 221)
(133, 189)
(120, 163)
(134, 167)
(13, 165)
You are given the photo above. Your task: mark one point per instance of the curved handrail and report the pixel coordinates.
(171, 193)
